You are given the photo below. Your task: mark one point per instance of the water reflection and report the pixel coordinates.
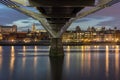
(1, 49)
(1, 63)
(1, 57)
(24, 50)
(24, 58)
(35, 48)
(23, 62)
(89, 60)
(68, 58)
(35, 59)
(96, 60)
(12, 51)
(12, 59)
(117, 62)
(107, 61)
(85, 60)
(82, 60)
(87, 63)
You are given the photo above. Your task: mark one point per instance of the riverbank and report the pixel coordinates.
(64, 43)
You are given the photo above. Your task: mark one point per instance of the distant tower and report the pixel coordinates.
(14, 29)
(33, 28)
(78, 29)
(115, 28)
(0, 28)
(89, 29)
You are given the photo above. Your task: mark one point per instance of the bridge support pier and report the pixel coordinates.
(56, 48)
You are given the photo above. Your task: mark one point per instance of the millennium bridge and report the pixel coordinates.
(57, 15)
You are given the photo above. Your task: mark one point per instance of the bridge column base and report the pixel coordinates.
(56, 48)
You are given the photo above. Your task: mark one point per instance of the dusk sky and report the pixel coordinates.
(109, 17)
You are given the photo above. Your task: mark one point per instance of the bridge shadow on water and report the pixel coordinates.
(56, 67)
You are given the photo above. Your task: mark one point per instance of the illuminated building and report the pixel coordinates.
(8, 29)
(1, 37)
(33, 28)
(77, 35)
(92, 35)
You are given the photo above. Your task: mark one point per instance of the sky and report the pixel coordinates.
(108, 17)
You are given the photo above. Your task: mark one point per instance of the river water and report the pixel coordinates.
(79, 63)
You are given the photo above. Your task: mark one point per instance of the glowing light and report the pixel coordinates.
(116, 39)
(35, 58)
(23, 62)
(35, 63)
(12, 40)
(35, 48)
(1, 49)
(82, 48)
(106, 39)
(12, 61)
(0, 63)
(113, 46)
(96, 56)
(89, 62)
(82, 60)
(24, 50)
(95, 46)
(68, 58)
(12, 51)
(107, 61)
(117, 62)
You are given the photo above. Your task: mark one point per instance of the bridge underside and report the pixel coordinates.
(59, 12)
(57, 18)
(62, 3)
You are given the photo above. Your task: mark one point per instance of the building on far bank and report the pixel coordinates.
(10, 33)
(8, 29)
(1, 37)
(5, 31)
(92, 35)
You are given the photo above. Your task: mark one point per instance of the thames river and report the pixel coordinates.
(79, 63)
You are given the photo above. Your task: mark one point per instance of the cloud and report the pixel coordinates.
(82, 20)
(25, 24)
(7, 15)
(25, 21)
(112, 23)
(91, 21)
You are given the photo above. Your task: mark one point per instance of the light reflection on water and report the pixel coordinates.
(0, 57)
(117, 62)
(87, 63)
(107, 61)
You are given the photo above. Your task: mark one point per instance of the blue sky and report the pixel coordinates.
(109, 17)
